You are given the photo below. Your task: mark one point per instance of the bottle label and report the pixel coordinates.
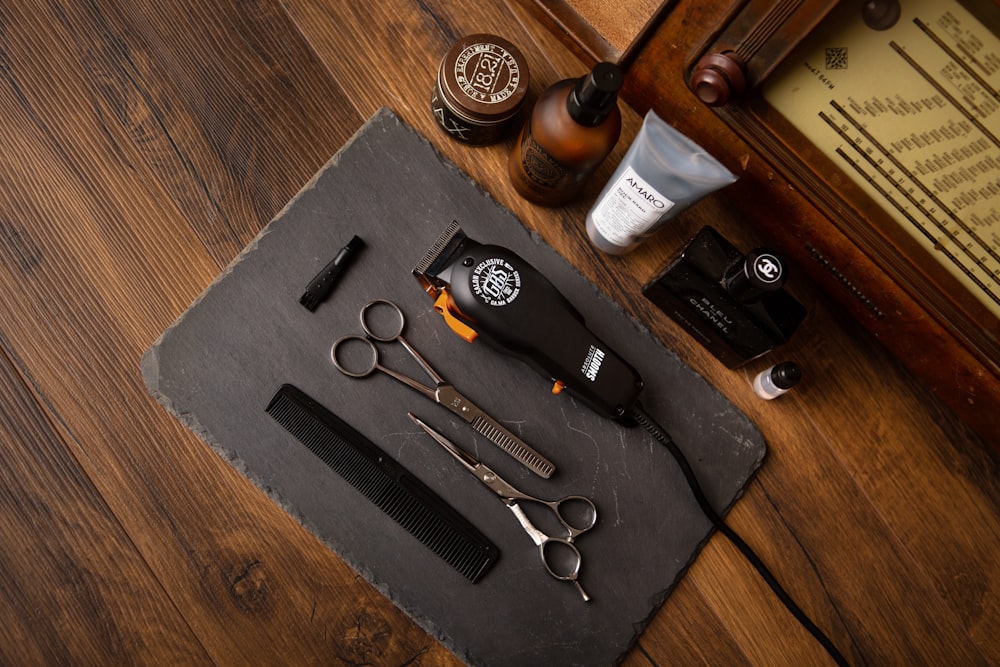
(540, 167)
(630, 208)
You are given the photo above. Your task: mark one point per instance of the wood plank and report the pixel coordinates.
(846, 543)
(818, 482)
(116, 222)
(66, 561)
(603, 31)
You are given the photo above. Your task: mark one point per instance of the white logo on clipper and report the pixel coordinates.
(592, 364)
(496, 282)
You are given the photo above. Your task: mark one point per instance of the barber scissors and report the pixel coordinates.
(387, 327)
(576, 514)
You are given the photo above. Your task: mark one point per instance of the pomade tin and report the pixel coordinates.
(481, 84)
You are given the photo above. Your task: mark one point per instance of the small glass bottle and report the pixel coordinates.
(772, 382)
(575, 124)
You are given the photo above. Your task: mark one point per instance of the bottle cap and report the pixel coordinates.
(595, 94)
(760, 271)
(786, 375)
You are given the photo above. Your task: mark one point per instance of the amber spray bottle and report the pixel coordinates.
(573, 127)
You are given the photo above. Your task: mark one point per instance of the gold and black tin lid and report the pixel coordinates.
(481, 85)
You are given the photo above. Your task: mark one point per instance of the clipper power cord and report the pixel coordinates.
(488, 292)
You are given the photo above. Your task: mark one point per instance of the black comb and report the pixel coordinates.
(382, 480)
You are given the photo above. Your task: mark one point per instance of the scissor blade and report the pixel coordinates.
(513, 445)
(448, 396)
(462, 456)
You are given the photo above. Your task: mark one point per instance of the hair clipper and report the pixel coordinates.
(489, 292)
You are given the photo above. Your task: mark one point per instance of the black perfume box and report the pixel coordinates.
(733, 304)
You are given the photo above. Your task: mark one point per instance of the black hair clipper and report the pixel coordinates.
(489, 292)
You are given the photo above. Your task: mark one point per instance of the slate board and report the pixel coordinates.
(217, 367)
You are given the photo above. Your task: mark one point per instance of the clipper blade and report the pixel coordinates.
(439, 254)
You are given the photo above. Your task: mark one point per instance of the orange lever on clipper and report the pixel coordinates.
(463, 330)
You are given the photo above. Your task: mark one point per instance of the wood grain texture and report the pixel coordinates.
(70, 564)
(145, 144)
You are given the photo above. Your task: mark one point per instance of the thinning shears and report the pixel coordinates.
(576, 514)
(387, 327)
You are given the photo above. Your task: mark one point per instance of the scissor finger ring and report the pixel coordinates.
(354, 356)
(389, 320)
(577, 513)
(561, 558)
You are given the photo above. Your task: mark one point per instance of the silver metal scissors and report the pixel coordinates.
(577, 514)
(387, 327)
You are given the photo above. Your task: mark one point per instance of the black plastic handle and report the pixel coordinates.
(518, 310)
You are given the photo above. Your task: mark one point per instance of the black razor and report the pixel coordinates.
(489, 292)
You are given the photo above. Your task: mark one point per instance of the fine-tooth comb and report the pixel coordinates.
(392, 488)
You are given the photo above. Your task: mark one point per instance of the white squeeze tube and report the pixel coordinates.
(663, 172)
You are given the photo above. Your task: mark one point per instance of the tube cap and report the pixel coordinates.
(595, 94)
(786, 375)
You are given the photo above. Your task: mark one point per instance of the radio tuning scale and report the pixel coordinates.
(907, 104)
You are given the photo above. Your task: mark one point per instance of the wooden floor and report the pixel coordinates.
(144, 144)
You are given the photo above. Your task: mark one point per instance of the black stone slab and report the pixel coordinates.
(217, 367)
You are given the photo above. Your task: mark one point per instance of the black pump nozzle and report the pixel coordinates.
(595, 94)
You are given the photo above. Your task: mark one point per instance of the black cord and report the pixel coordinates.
(639, 415)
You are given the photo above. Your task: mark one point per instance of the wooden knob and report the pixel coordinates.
(719, 78)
